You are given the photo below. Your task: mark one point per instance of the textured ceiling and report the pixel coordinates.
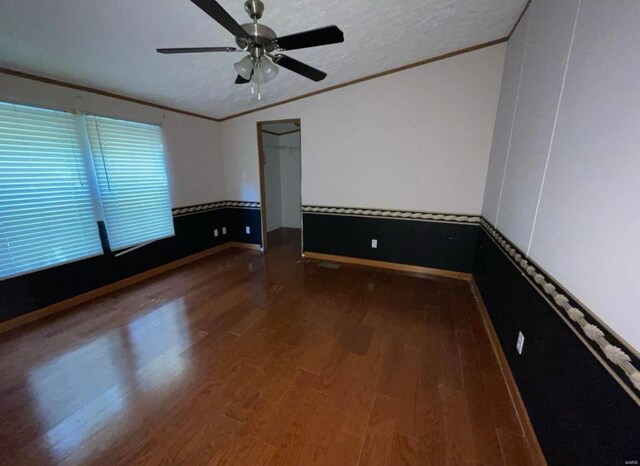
(110, 44)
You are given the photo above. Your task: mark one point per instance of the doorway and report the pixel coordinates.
(280, 161)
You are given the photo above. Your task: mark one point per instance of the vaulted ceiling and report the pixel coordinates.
(110, 44)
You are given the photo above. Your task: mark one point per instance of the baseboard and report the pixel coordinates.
(530, 434)
(251, 246)
(388, 265)
(446, 242)
(98, 292)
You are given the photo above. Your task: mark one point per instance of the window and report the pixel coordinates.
(134, 191)
(60, 173)
(46, 213)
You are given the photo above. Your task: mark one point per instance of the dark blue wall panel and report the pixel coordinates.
(581, 415)
(439, 245)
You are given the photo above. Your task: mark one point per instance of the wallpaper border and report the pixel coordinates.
(619, 358)
(179, 211)
(393, 214)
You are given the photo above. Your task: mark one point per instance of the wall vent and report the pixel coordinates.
(328, 265)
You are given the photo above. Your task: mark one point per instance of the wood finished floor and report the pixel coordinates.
(244, 359)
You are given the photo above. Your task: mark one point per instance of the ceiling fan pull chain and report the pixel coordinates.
(259, 77)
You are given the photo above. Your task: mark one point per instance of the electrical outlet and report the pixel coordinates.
(520, 342)
(247, 230)
(215, 232)
(224, 230)
(374, 243)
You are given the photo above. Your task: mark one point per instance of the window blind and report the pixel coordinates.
(46, 214)
(130, 170)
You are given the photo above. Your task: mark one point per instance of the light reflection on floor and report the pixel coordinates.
(163, 331)
(67, 436)
(93, 384)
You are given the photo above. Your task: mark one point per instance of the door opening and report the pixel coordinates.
(280, 162)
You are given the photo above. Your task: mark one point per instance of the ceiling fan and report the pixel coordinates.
(262, 45)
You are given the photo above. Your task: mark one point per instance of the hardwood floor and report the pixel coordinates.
(244, 359)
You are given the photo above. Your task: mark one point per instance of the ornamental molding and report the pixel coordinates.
(384, 213)
(620, 358)
(178, 211)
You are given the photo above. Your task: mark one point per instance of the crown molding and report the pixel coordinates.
(524, 10)
(56, 82)
(93, 90)
(370, 77)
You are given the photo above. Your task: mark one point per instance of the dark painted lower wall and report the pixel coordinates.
(194, 233)
(581, 415)
(238, 219)
(439, 245)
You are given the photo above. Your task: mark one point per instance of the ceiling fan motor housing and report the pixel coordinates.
(254, 9)
(261, 36)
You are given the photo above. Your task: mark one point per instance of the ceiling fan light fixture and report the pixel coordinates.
(264, 71)
(259, 41)
(269, 69)
(244, 67)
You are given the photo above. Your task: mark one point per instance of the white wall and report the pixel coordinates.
(415, 140)
(192, 144)
(282, 180)
(564, 189)
(290, 176)
(272, 181)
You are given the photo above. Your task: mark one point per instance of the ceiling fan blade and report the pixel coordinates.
(196, 50)
(213, 9)
(299, 67)
(315, 37)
